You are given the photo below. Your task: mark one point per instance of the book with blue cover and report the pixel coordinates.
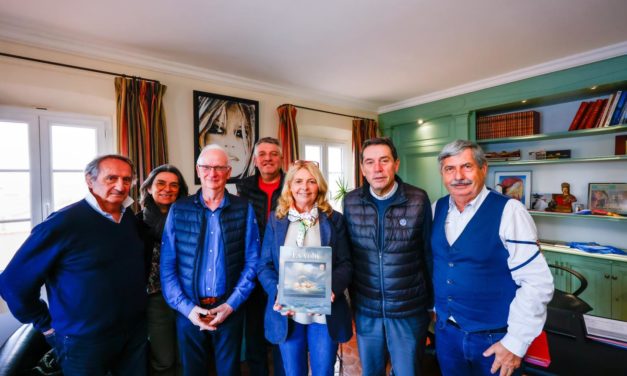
(305, 279)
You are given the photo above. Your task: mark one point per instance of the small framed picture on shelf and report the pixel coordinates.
(541, 201)
(608, 197)
(515, 184)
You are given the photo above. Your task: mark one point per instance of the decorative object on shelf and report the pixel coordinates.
(537, 155)
(593, 247)
(608, 198)
(558, 154)
(230, 122)
(563, 201)
(621, 145)
(515, 184)
(513, 155)
(508, 125)
(541, 201)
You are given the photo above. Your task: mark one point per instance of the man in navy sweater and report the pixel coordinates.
(491, 282)
(90, 257)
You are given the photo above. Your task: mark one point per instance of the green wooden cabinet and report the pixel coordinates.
(619, 291)
(607, 282)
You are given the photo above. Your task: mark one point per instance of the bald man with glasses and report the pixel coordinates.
(209, 250)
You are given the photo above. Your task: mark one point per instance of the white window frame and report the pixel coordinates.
(39, 124)
(347, 162)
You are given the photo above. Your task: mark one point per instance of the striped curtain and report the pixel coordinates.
(141, 125)
(363, 129)
(288, 134)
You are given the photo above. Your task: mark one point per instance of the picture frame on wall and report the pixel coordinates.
(608, 197)
(515, 184)
(232, 123)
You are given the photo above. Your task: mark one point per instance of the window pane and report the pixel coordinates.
(72, 147)
(12, 235)
(14, 146)
(15, 195)
(335, 159)
(67, 187)
(313, 153)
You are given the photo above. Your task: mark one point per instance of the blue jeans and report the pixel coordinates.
(312, 338)
(403, 339)
(194, 345)
(123, 354)
(461, 353)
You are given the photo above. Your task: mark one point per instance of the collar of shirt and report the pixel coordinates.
(222, 203)
(387, 195)
(472, 206)
(91, 200)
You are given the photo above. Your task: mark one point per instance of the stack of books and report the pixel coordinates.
(508, 125)
(601, 112)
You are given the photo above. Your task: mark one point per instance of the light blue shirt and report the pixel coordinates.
(212, 281)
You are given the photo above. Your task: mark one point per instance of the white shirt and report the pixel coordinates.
(91, 200)
(527, 312)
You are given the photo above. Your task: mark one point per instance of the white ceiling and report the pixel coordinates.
(374, 54)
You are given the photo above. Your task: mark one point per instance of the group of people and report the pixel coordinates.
(183, 281)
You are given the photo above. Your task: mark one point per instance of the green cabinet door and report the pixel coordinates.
(598, 274)
(559, 276)
(619, 291)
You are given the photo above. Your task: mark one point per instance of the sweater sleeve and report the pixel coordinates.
(21, 281)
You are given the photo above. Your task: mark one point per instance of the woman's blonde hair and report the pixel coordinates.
(286, 200)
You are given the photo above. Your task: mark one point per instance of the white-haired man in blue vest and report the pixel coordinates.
(491, 282)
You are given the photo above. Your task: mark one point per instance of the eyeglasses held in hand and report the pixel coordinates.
(302, 162)
(220, 169)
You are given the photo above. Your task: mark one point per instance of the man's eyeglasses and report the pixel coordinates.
(219, 169)
(301, 162)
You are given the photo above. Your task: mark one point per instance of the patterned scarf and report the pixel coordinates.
(307, 220)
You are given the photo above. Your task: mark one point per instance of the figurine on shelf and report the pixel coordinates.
(564, 201)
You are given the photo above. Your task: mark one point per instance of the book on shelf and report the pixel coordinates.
(620, 105)
(305, 279)
(592, 116)
(508, 125)
(606, 111)
(612, 108)
(581, 113)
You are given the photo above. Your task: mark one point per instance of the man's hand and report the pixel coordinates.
(201, 318)
(503, 359)
(219, 313)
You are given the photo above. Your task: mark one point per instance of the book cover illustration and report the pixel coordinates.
(305, 279)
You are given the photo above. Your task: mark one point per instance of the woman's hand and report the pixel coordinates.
(277, 307)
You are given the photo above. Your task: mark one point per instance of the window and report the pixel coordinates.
(335, 160)
(42, 157)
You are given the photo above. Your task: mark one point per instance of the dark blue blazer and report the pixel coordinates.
(333, 234)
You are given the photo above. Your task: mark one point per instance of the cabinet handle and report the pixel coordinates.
(614, 278)
(607, 276)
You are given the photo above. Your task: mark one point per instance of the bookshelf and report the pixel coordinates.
(592, 161)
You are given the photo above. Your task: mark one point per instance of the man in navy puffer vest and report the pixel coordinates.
(389, 225)
(491, 282)
(209, 251)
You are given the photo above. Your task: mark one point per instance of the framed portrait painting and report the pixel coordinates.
(608, 197)
(232, 123)
(516, 185)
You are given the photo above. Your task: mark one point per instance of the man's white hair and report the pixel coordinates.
(213, 147)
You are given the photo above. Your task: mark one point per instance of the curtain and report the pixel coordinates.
(288, 134)
(363, 129)
(141, 127)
